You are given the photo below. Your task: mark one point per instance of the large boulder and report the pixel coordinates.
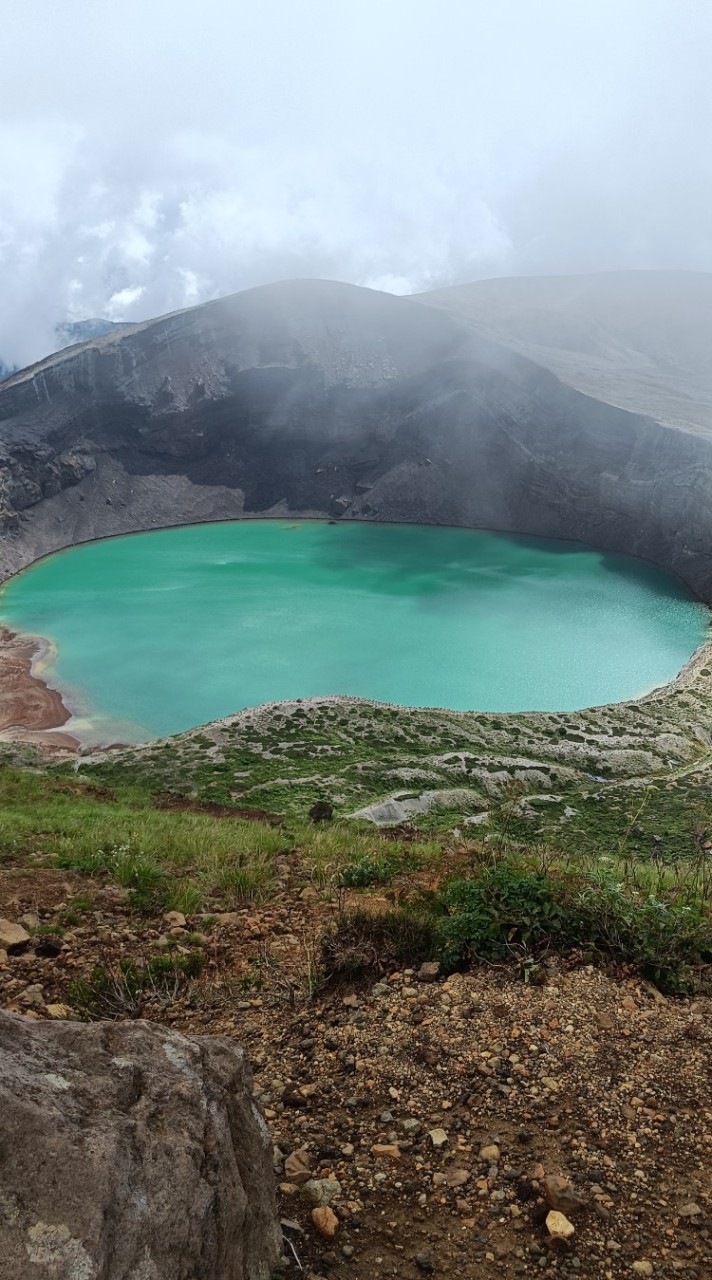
(130, 1152)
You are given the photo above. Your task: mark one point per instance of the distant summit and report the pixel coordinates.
(83, 331)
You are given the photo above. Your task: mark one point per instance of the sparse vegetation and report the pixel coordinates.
(127, 989)
(362, 944)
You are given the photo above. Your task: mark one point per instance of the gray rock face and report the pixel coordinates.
(128, 1152)
(323, 399)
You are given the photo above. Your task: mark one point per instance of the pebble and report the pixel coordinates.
(438, 1137)
(561, 1195)
(411, 1126)
(321, 1191)
(558, 1226)
(175, 919)
(690, 1210)
(325, 1222)
(297, 1167)
(13, 938)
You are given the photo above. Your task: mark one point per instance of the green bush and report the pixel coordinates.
(512, 911)
(374, 867)
(500, 911)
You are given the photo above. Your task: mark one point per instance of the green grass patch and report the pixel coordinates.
(165, 858)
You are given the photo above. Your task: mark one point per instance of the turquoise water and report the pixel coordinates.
(161, 631)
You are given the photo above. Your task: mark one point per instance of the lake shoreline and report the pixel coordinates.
(31, 711)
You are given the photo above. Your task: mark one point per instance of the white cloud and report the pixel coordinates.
(203, 149)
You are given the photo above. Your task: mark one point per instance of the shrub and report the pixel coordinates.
(511, 910)
(503, 910)
(361, 944)
(126, 990)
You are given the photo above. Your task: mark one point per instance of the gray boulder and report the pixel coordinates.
(130, 1152)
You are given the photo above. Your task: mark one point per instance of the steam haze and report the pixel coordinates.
(155, 155)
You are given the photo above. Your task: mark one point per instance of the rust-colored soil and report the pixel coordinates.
(29, 710)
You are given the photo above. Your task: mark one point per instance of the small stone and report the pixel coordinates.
(321, 1191)
(13, 938)
(560, 1194)
(643, 1268)
(325, 1222)
(490, 1153)
(297, 1167)
(387, 1149)
(29, 920)
(438, 1137)
(175, 919)
(292, 1226)
(424, 1262)
(32, 997)
(558, 1226)
(411, 1126)
(58, 1011)
(429, 971)
(457, 1177)
(385, 1118)
(690, 1210)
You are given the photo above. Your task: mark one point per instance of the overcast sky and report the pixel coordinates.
(157, 153)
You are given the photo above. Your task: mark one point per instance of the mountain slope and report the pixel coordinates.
(641, 340)
(319, 398)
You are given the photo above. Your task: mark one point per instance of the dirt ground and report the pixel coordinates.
(432, 1124)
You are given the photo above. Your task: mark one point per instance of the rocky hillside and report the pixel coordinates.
(319, 398)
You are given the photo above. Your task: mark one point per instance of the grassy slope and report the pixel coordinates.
(600, 802)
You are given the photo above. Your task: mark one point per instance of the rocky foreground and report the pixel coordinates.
(465, 1126)
(130, 1150)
